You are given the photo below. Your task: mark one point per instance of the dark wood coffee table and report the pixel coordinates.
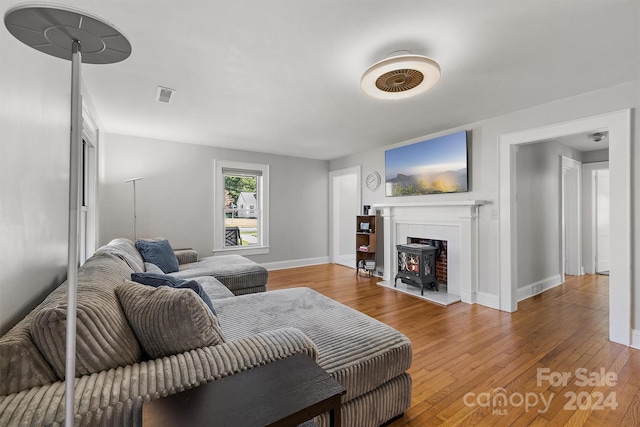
(286, 392)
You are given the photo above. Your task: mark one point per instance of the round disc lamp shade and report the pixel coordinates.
(400, 77)
(52, 29)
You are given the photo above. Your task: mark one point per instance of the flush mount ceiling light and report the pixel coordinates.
(400, 76)
(598, 136)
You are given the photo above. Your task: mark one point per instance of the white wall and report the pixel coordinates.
(175, 198)
(484, 166)
(538, 181)
(595, 156)
(34, 176)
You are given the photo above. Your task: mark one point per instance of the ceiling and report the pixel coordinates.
(585, 142)
(283, 76)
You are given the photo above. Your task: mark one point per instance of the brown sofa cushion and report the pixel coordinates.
(21, 364)
(104, 339)
(168, 320)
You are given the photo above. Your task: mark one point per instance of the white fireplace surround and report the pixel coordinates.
(453, 221)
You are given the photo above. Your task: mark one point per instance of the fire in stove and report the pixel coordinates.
(416, 266)
(410, 263)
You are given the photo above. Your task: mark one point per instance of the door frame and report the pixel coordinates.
(90, 165)
(618, 124)
(573, 194)
(334, 237)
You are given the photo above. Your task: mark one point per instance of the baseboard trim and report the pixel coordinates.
(635, 338)
(546, 284)
(281, 265)
(346, 260)
(488, 300)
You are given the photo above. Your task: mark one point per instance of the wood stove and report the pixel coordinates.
(417, 266)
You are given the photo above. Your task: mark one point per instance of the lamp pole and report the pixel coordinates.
(74, 229)
(135, 214)
(61, 31)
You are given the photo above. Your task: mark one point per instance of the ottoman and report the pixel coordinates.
(368, 357)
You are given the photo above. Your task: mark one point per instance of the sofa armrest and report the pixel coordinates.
(115, 397)
(186, 255)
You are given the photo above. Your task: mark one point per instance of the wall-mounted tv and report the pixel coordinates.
(434, 166)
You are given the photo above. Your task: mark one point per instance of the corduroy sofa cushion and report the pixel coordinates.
(239, 274)
(156, 280)
(152, 268)
(126, 250)
(21, 364)
(104, 339)
(168, 320)
(359, 351)
(213, 287)
(115, 397)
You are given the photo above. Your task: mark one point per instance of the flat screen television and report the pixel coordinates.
(433, 166)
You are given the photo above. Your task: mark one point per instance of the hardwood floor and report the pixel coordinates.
(473, 365)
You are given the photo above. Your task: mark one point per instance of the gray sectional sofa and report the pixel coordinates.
(118, 367)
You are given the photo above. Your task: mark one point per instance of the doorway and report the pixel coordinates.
(571, 261)
(589, 248)
(344, 200)
(618, 124)
(602, 224)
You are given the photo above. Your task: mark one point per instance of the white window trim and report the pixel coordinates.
(218, 208)
(90, 220)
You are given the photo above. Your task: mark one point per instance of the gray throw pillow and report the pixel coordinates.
(152, 279)
(152, 268)
(168, 321)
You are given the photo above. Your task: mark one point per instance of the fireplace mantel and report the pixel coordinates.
(431, 204)
(452, 220)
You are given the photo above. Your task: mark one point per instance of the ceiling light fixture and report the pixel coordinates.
(598, 136)
(400, 75)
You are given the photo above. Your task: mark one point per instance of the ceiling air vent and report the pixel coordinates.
(164, 94)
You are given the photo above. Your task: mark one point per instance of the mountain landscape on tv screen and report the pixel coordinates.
(452, 181)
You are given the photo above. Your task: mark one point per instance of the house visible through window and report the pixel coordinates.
(240, 211)
(242, 207)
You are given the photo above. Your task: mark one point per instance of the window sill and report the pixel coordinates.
(255, 250)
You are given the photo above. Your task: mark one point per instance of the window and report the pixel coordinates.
(89, 182)
(241, 207)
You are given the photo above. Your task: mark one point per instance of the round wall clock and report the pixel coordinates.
(373, 181)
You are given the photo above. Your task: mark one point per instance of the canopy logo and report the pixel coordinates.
(500, 401)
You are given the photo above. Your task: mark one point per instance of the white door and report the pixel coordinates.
(345, 205)
(571, 216)
(602, 221)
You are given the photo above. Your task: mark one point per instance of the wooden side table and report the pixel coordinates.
(286, 392)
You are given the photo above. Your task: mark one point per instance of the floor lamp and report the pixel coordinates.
(135, 215)
(73, 35)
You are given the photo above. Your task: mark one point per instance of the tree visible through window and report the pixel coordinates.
(241, 208)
